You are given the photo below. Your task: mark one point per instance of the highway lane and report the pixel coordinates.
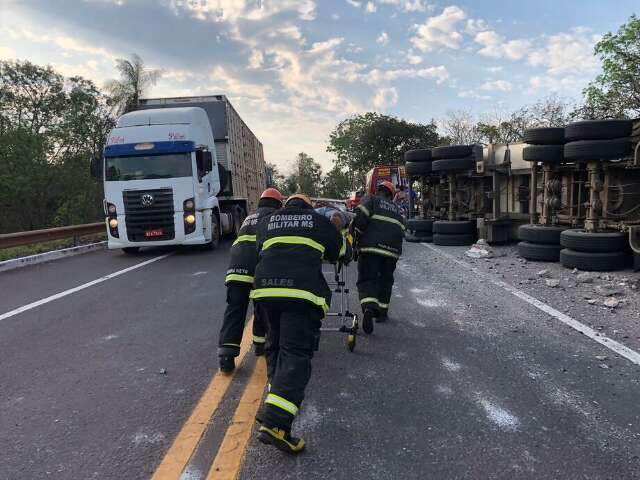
(465, 381)
(81, 392)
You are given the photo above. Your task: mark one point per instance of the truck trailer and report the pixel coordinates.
(179, 171)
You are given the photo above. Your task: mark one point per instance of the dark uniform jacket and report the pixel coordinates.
(293, 242)
(244, 255)
(378, 227)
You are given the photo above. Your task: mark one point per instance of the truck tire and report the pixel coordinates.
(418, 169)
(131, 250)
(591, 261)
(451, 151)
(598, 149)
(454, 240)
(422, 237)
(237, 214)
(583, 241)
(544, 136)
(539, 251)
(419, 155)
(543, 153)
(455, 227)
(215, 232)
(549, 235)
(453, 164)
(420, 225)
(598, 130)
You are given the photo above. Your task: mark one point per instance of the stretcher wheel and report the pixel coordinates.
(351, 342)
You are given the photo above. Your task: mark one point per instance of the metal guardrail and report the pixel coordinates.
(36, 236)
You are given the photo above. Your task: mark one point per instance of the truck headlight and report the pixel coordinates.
(113, 223)
(190, 219)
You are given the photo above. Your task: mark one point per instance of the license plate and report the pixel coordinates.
(157, 232)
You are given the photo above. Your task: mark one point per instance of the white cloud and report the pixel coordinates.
(335, 16)
(354, 3)
(496, 46)
(7, 53)
(371, 7)
(234, 10)
(383, 39)
(385, 98)
(566, 53)
(473, 94)
(475, 25)
(495, 69)
(497, 85)
(413, 59)
(440, 30)
(256, 59)
(407, 5)
(376, 76)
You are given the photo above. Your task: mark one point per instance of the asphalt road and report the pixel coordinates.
(466, 381)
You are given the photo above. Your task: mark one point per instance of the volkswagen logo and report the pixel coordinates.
(147, 200)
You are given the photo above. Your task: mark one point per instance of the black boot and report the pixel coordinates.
(227, 363)
(367, 321)
(281, 439)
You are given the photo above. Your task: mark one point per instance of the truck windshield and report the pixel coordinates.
(148, 167)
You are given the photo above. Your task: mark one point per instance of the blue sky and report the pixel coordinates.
(295, 68)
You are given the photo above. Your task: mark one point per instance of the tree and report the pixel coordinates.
(134, 80)
(305, 177)
(49, 129)
(274, 178)
(615, 92)
(460, 127)
(370, 139)
(337, 183)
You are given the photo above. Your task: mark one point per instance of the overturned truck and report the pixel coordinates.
(570, 194)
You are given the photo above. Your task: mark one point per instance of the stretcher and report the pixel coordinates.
(348, 322)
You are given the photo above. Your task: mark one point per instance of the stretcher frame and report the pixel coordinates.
(349, 320)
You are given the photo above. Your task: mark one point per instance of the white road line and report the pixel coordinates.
(33, 305)
(612, 345)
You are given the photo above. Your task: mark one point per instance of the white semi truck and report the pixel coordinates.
(179, 171)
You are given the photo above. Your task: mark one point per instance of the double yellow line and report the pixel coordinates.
(228, 461)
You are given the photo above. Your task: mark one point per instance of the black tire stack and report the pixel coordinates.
(419, 230)
(594, 251)
(598, 140)
(539, 242)
(454, 233)
(545, 145)
(418, 164)
(453, 158)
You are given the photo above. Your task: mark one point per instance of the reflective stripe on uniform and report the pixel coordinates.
(379, 251)
(374, 300)
(388, 219)
(293, 240)
(245, 238)
(290, 293)
(364, 209)
(284, 404)
(257, 339)
(236, 277)
(343, 248)
(231, 345)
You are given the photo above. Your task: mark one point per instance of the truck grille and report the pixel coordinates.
(141, 218)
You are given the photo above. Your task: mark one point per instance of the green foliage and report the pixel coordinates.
(337, 183)
(615, 93)
(370, 139)
(134, 79)
(305, 177)
(50, 127)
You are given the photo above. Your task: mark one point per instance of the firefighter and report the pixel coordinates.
(378, 229)
(239, 282)
(291, 291)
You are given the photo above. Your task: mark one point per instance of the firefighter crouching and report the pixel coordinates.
(291, 292)
(239, 282)
(378, 229)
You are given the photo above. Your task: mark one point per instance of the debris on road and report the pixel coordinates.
(552, 282)
(585, 277)
(480, 249)
(163, 371)
(611, 302)
(544, 273)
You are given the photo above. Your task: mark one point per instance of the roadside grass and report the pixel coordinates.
(42, 247)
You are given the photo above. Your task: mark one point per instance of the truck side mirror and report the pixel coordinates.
(96, 167)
